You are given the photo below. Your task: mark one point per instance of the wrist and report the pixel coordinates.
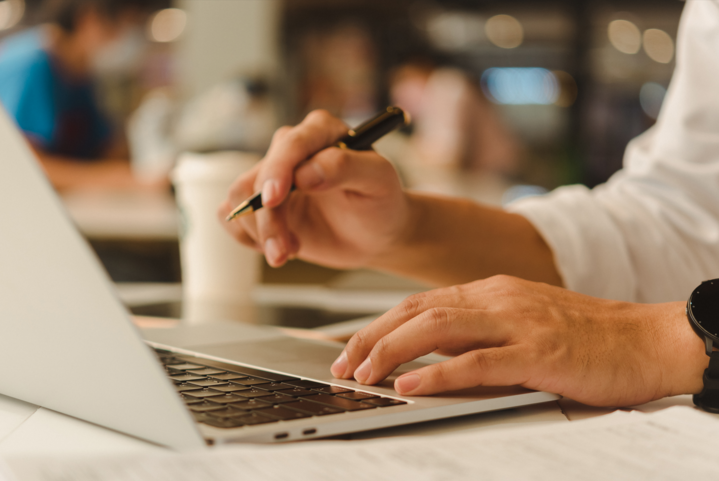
(398, 250)
(684, 356)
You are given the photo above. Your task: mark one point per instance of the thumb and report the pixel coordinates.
(501, 366)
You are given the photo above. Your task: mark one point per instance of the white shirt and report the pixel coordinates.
(651, 233)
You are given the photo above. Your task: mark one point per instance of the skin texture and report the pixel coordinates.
(350, 211)
(505, 331)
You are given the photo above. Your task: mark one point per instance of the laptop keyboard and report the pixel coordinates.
(229, 396)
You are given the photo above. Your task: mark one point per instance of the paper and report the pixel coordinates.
(677, 443)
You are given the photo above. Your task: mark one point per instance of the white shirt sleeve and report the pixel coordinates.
(651, 233)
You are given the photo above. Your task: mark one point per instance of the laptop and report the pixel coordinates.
(68, 344)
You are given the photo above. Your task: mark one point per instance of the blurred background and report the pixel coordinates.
(508, 98)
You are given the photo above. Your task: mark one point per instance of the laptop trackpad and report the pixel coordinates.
(300, 357)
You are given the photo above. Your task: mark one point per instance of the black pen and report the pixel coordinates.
(360, 138)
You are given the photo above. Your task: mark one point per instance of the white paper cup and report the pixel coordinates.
(218, 274)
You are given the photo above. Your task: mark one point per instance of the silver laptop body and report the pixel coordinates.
(68, 344)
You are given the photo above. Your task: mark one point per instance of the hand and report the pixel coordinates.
(507, 331)
(348, 207)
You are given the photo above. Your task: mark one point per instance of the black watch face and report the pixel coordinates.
(704, 305)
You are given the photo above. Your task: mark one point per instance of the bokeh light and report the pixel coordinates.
(167, 25)
(520, 86)
(658, 45)
(504, 31)
(624, 36)
(651, 97)
(11, 12)
(455, 30)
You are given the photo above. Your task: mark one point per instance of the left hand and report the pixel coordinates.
(507, 331)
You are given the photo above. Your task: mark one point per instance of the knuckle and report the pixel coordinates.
(382, 350)
(438, 319)
(506, 285)
(281, 132)
(295, 140)
(483, 361)
(319, 115)
(412, 305)
(358, 343)
(442, 375)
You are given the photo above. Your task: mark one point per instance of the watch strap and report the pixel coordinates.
(708, 399)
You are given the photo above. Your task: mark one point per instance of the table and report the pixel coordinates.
(28, 429)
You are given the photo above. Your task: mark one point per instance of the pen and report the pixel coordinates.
(359, 138)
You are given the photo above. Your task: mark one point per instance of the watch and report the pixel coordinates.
(703, 313)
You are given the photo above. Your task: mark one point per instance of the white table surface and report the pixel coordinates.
(131, 215)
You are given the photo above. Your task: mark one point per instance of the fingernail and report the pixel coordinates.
(272, 251)
(407, 383)
(339, 366)
(269, 191)
(310, 176)
(364, 371)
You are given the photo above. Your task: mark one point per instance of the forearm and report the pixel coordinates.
(451, 241)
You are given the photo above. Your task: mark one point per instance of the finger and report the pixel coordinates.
(238, 230)
(243, 187)
(437, 328)
(365, 172)
(275, 238)
(359, 347)
(317, 131)
(500, 366)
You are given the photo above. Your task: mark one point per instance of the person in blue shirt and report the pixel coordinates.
(47, 86)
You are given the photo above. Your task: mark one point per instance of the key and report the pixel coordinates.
(205, 407)
(332, 390)
(385, 401)
(278, 398)
(251, 381)
(226, 412)
(231, 388)
(298, 392)
(187, 387)
(206, 371)
(209, 383)
(275, 386)
(254, 393)
(190, 400)
(357, 396)
(205, 393)
(282, 413)
(312, 408)
(228, 376)
(227, 398)
(307, 384)
(341, 403)
(252, 404)
(186, 377)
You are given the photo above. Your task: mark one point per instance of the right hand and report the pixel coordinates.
(349, 207)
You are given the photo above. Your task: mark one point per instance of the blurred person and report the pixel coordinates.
(455, 127)
(592, 301)
(47, 85)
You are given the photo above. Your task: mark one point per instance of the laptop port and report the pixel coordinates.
(308, 432)
(282, 435)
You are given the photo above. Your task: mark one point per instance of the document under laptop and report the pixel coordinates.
(68, 344)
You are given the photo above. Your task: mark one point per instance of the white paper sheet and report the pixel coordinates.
(677, 443)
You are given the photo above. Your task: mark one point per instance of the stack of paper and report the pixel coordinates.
(677, 443)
